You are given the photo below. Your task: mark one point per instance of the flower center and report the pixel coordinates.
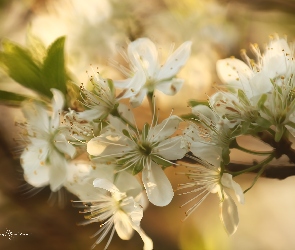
(145, 148)
(150, 84)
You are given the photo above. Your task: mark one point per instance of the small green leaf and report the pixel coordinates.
(161, 161)
(53, 70)
(193, 103)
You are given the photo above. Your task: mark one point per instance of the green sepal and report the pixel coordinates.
(291, 124)
(279, 133)
(161, 161)
(193, 103)
(262, 100)
(145, 131)
(126, 133)
(122, 161)
(53, 69)
(225, 155)
(245, 125)
(262, 122)
(111, 86)
(190, 117)
(243, 98)
(137, 168)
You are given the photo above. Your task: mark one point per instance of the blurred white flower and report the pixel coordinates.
(147, 72)
(263, 88)
(207, 178)
(116, 210)
(43, 159)
(146, 151)
(210, 136)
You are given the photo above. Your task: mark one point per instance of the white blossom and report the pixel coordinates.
(147, 72)
(43, 159)
(116, 209)
(146, 151)
(206, 178)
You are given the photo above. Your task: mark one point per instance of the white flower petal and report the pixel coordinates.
(175, 61)
(57, 173)
(171, 148)
(143, 52)
(170, 87)
(137, 99)
(57, 106)
(36, 115)
(133, 85)
(259, 85)
(123, 225)
(165, 129)
(235, 73)
(36, 173)
(157, 185)
(148, 243)
(105, 184)
(109, 146)
(128, 183)
(63, 146)
(229, 214)
(92, 114)
(208, 152)
(205, 111)
(227, 181)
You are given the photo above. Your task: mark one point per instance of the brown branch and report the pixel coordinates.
(272, 172)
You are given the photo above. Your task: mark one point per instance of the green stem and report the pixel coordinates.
(116, 113)
(254, 152)
(260, 164)
(234, 144)
(256, 178)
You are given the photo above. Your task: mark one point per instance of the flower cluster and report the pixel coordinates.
(99, 152)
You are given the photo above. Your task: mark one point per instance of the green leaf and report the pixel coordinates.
(12, 99)
(20, 66)
(161, 161)
(53, 69)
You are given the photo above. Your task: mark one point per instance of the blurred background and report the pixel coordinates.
(96, 31)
